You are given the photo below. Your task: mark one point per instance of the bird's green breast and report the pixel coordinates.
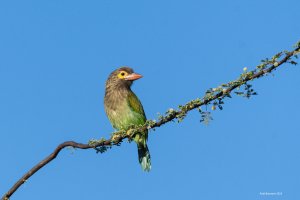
(124, 109)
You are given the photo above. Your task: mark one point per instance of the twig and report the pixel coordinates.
(172, 114)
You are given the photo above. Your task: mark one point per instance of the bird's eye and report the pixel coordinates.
(122, 74)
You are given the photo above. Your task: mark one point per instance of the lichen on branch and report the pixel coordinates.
(213, 96)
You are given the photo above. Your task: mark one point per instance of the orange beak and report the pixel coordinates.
(133, 77)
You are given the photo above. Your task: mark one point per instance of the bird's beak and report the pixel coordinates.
(132, 77)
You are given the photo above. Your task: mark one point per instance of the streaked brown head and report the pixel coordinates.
(122, 77)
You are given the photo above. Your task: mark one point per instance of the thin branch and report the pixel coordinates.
(212, 95)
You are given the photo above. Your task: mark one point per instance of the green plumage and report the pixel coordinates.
(124, 109)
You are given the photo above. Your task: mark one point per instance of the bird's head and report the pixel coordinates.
(123, 76)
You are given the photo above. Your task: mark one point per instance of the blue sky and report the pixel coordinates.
(56, 56)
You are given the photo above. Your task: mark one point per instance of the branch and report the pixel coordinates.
(213, 96)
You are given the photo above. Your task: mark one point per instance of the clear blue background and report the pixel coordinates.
(56, 55)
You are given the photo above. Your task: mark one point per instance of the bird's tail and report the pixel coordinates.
(144, 156)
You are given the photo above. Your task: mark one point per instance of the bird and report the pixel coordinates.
(124, 109)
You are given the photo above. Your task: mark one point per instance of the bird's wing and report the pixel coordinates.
(136, 106)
